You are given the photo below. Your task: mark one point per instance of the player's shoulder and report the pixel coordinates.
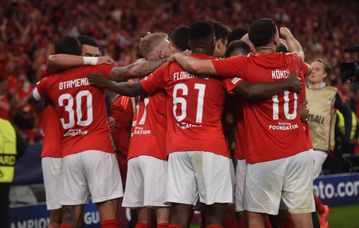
(166, 65)
(242, 58)
(45, 80)
(294, 56)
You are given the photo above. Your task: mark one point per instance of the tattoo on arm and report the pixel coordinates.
(135, 70)
(144, 68)
(126, 88)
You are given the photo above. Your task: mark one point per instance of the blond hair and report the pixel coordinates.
(327, 67)
(149, 42)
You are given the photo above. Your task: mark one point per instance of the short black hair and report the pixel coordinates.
(68, 45)
(238, 44)
(237, 34)
(179, 37)
(262, 31)
(221, 31)
(201, 31)
(87, 40)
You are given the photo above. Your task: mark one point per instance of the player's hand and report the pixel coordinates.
(105, 60)
(295, 83)
(285, 32)
(174, 56)
(187, 52)
(112, 122)
(97, 80)
(303, 111)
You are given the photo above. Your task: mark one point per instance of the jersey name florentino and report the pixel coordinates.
(183, 75)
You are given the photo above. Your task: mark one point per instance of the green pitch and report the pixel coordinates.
(339, 217)
(344, 216)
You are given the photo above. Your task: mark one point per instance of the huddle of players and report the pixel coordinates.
(178, 155)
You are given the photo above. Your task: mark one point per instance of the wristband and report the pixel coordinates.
(90, 60)
(300, 54)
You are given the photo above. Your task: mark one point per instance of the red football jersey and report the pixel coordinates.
(194, 108)
(80, 107)
(148, 136)
(240, 135)
(51, 126)
(122, 111)
(273, 128)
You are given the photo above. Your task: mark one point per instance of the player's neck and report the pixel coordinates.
(199, 50)
(265, 49)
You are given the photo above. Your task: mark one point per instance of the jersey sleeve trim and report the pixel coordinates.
(36, 94)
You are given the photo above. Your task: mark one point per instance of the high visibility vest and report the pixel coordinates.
(341, 124)
(321, 117)
(7, 151)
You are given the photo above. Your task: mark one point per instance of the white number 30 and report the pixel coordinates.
(69, 108)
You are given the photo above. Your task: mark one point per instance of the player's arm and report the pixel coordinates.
(131, 89)
(31, 100)
(35, 97)
(194, 65)
(293, 44)
(230, 67)
(303, 110)
(309, 71)
(59, 61)
(39, 92)
(264, 90)
(138, 69)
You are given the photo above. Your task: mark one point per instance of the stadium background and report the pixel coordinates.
(29, 28)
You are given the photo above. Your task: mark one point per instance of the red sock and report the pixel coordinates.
(267, 223)
(173, 226)
(162, 225)
(214, 226)
(319, 207)
(141, 225)
(110, 223)
(63, 225)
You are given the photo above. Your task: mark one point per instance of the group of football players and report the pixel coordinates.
(189, 92)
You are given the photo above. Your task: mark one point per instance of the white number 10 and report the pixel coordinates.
(289, 116)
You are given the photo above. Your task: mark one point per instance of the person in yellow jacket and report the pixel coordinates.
(11, 147)
(323, 101)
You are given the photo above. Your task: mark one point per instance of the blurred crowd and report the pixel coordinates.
(28, 29)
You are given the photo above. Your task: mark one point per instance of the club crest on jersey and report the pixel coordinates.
(280, 74)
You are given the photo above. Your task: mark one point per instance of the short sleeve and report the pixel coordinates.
(230, 67)
(40, 90)
(303, 70)
(106, 69)
(231, 83)
(155, 81)
(304, 66)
